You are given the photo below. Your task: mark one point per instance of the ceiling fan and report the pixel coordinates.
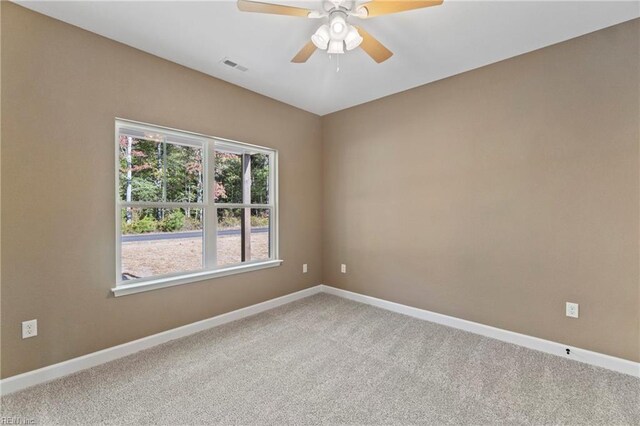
(337, 35)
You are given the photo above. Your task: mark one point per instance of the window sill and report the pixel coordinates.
(125, 289)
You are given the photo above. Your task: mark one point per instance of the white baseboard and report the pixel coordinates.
(51, 372)
(582, 355)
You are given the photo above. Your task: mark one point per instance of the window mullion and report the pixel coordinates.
(245, 224)
(164, 169)
(211, 213)
(161, 205)
(243, 205)
(273, 213)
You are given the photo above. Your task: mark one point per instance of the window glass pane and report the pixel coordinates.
(228, 244)
(259, 179)
(140, 169)
(156, 168)
(160, 241)
(228, 180)
(161, 167)
(184, 173)
(260, 234)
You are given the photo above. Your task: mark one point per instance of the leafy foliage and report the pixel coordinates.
(143, 225)
(172, 222)
(228, 174)
(260, 179)
(157, 171)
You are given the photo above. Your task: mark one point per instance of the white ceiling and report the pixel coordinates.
(429, 44)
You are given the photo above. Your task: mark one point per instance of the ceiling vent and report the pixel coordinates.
(228, 62)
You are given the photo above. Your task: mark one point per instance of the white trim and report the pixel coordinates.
(577, 354)
(209, 145)
(242, 206)
(160, 205)
(55, 371)
(274, 221)
(210, 220)
(181, 278)
(116, 203)
(194, 139)
(231, 146)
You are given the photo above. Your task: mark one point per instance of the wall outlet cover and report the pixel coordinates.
(29, 328)
(573, 310)
(343, 268)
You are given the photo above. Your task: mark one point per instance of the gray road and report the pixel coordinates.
(177, 235)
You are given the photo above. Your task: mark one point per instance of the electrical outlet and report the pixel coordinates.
(573, 309)
(343, 268)
(29, 328)
(304, 268)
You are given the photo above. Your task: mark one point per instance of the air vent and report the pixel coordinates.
(228, 62)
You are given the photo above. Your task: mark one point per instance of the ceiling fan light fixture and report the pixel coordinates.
(336, 47)
(321, 37)
(337, 35)
(338, 26)
(353, 38)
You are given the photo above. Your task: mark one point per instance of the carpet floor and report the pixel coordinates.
(327, 360)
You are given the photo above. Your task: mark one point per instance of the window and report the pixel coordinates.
(190, 207)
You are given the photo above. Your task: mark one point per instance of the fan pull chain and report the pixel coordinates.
(337, 63)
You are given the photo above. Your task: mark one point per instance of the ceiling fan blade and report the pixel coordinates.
(276, 9)
(304, 54)
(373, 47)
(385, 7)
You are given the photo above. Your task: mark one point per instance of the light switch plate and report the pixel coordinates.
(304, 268)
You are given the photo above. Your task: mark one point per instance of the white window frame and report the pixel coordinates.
(210, 270)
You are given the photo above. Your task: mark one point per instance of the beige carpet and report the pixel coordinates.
(328, 360)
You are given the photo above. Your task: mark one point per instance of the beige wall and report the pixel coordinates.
(495, 196)
(499, 194)
(0, 186)
(61, 89)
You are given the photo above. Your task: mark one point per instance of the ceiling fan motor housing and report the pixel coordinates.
(329, 5)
